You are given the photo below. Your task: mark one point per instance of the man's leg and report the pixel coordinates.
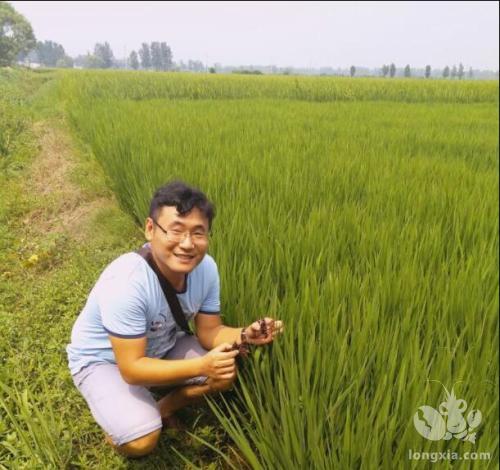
(173, 401)
(128, 414)
(190, 394)
(138, 447)
(188, 347)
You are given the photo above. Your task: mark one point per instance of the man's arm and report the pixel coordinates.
(211, 332)
(137, 369)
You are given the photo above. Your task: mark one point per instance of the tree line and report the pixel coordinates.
(390, 70)
(153, 56)
(156, 56)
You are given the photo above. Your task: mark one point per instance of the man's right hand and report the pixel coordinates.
(219, 363)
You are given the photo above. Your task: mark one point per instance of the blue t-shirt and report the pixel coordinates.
(127, 301)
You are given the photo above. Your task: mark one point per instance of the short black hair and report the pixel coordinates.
(183, 198)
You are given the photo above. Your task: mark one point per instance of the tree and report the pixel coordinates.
(385, 70)
(454, 72)
(80, 60)
(160, 56)
(49, 53)
(446, 72)
(93, 62)
(16, 35)
(471, 73)
(195, 65)
(133, 60)
(407, 71)
(145, 55)
(392, 70)
(166, 56)
(105, 54)
(460, 71)
(352, 70)
(65, 62)
(156, 55)
(427, 71)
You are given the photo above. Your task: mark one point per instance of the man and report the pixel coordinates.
(127, 338)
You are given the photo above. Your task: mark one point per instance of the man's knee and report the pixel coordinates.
(142, 446)
(221, 385)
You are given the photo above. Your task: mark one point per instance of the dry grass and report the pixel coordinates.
(61, 205)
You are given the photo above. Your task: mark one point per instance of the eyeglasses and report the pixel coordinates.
(178, 236)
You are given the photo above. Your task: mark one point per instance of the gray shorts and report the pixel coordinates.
(126, 412)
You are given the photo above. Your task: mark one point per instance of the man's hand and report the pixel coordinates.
(263, 331)
(219, 363)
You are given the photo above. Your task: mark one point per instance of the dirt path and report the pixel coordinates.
(65, 207)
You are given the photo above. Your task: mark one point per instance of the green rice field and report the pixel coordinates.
(361, 212)
(364, 214)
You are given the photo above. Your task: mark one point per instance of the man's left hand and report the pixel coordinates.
(263, 331)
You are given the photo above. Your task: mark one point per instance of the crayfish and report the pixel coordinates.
(242, 348)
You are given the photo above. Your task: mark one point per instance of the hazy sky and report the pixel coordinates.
(311, 34)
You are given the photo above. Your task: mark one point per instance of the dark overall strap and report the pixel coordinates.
(168, 291)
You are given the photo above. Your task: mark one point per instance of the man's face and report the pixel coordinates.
(177, 257)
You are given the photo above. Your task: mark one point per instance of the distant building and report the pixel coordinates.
(31, 65)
